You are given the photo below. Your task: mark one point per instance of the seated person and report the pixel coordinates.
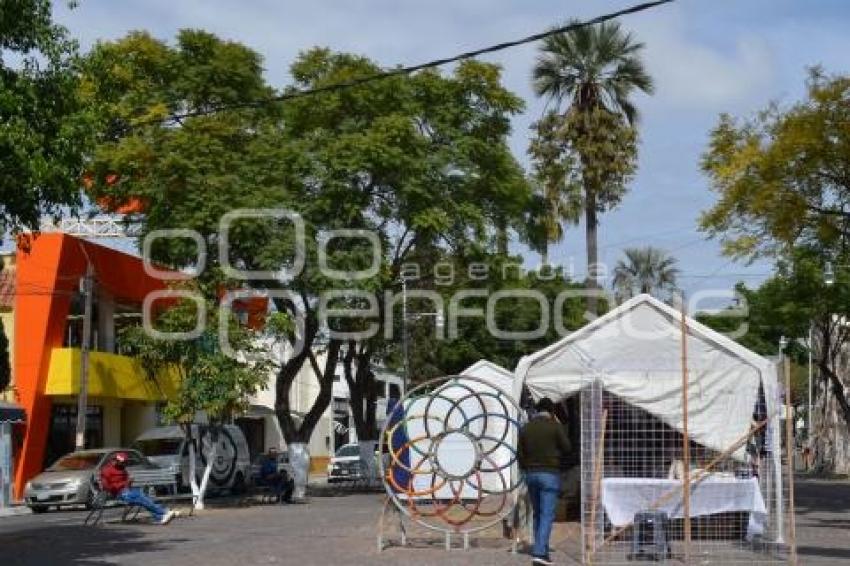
(280, 483)
(115, 480)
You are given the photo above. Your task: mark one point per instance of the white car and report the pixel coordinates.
(346, 465)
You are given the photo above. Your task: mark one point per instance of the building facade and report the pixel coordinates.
(47, 320)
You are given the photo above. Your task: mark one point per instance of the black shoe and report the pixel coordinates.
(542, 561)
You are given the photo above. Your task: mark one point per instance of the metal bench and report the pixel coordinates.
(149, 480)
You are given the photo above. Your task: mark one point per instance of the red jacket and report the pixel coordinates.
(114, 480)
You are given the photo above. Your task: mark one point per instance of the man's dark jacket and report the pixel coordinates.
(543, 445)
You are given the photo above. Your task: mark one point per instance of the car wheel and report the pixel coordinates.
(38, 509)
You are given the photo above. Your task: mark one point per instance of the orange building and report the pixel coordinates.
(47, 331)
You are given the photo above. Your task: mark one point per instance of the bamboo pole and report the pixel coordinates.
(597, 484)
(789, 452)
(686, 440)
(696, 478)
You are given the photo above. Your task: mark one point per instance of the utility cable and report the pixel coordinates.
(291, 95)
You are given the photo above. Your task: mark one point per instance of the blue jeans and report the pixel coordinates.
(134, 496)
(543, 489)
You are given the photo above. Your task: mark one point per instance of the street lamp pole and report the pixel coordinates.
(87, 288)
(809, 404)
(404, 339)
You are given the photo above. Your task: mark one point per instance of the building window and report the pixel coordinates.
(395, 391)
(63, 429)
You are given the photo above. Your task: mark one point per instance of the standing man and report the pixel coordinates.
(541, 448)
(115, 480)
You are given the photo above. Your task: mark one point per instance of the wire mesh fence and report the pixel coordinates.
(646, 493)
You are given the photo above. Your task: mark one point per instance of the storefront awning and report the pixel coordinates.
(11, 413)
(110, 375)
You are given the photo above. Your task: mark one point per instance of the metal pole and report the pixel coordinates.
(809, 407)
(789, 455)
(404, 340)
(85, 344)
(686, 443)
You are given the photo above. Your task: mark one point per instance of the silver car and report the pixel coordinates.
(69, 480)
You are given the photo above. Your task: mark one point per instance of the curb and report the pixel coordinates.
(15, 511)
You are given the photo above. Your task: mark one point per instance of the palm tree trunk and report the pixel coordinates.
(544, 254)
(591, 225)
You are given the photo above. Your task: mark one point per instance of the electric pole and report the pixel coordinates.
(404, 338)
(87, 289)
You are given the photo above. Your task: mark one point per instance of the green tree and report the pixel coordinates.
(210, 382)
(165, 147)
(589, 74)
(783, 188)
(788, 304)
(46, 126)
(432, 357)
(783, 177)
(645, 270)
(421, 161)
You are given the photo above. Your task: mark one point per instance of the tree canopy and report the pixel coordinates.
(645, 270)
(585, 148)
(420, 162)
(46, 127)
(783, 177)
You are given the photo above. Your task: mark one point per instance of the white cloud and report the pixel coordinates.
(692, 73)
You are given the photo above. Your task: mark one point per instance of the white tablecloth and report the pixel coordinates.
(623, 497)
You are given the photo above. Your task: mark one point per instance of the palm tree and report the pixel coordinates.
(645, 270)
(587, 70)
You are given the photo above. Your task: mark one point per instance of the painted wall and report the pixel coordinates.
(136, 418)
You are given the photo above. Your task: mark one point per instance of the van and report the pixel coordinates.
(166, 446)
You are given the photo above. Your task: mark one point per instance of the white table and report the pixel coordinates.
(622, 498)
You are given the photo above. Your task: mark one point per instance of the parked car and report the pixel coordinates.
(166, 446)
(71, 478)
(346, 465)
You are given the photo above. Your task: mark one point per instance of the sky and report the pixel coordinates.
(706, 56)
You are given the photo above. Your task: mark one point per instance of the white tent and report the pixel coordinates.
(634, 352)
(492, 373)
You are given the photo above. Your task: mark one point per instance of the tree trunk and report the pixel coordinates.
(286, 377)
(544, 254)
(299, 459)
(283, 388)
(838, 391)
(361, 386)
(591, 226)
(192, 480)
(211, 438)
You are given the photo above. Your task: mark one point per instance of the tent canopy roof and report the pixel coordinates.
(635, 352)
(485, 369)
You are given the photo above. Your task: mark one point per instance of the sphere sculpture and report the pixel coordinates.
(448, 454)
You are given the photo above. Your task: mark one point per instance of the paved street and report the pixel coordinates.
(330, 530)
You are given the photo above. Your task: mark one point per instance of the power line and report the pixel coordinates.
(413, 68)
